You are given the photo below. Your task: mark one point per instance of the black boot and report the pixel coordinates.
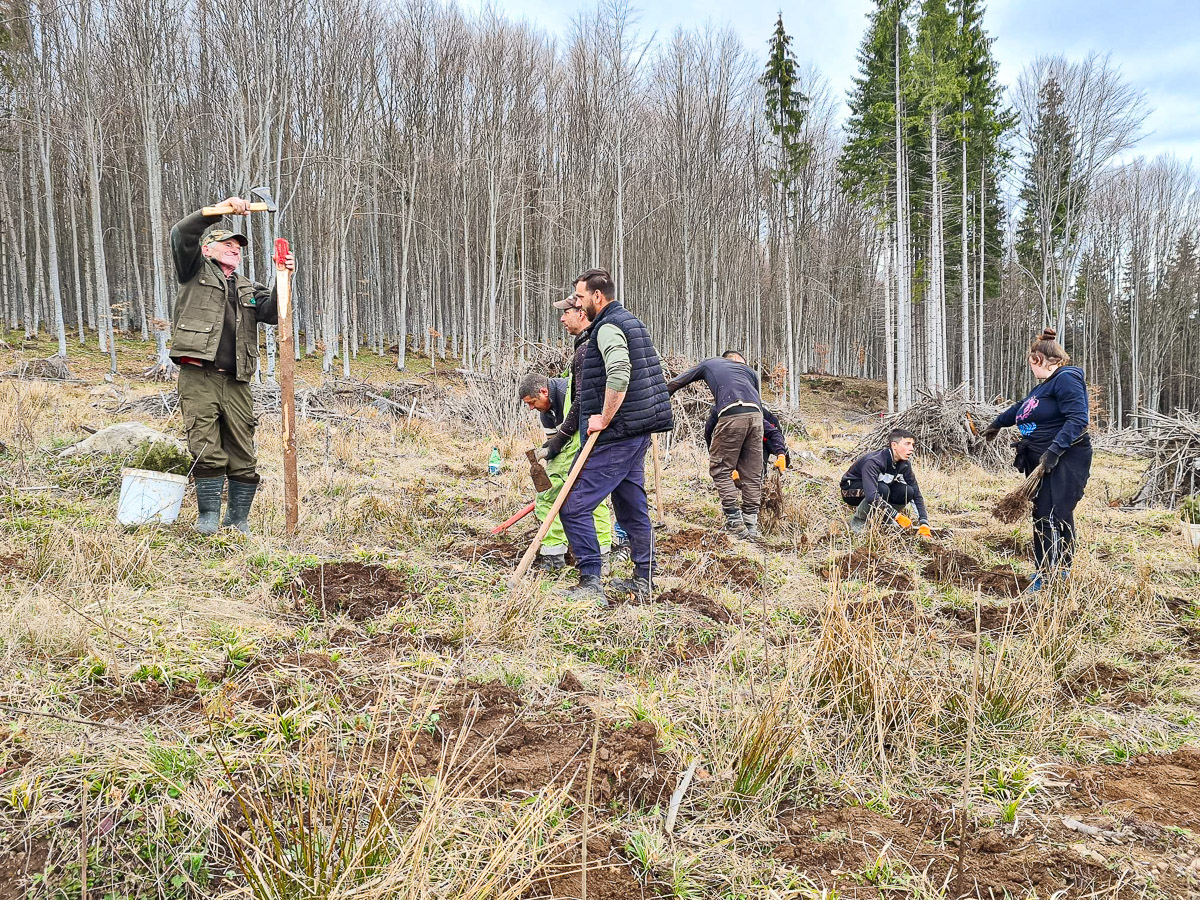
(734, 524)
(208, 503)
(750, 520)
(241, 498)
(590, 588)
(637, 588)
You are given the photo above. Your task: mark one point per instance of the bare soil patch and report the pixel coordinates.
(500, 552)
(706, 606)
(140, 700)
(360, 590)
(609, 876)
(865, 564)
(949, 566)
(992, 617)
(1103, 677)
(18, 863)
(1161, 788)
(694, 539)
(521, 750)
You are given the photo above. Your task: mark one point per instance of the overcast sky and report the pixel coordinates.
(1155, 42)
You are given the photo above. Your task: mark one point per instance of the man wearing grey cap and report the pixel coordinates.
(214, 341)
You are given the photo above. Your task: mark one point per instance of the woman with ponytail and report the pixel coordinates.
(1053, 421)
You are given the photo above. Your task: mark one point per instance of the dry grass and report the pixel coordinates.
(822, 693)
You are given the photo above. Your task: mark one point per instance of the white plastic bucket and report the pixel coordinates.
(150, 497)
(1191, 534)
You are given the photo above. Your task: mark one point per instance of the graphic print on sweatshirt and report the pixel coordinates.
(1027, 408)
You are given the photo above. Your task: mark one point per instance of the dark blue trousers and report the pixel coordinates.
(1054, 509)
(618, 469)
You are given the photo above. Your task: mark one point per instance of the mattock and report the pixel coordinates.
(224, 209)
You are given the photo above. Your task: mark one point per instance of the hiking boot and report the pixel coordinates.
(735, 525)
(1035, 586)
(208, 503)
(606, 563)
(751, 522)
(551, 563)
(636, 588)
(241, 498)
(858, 524)
(590, 588)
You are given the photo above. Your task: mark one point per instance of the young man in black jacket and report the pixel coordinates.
(883, 482)
(735, 442)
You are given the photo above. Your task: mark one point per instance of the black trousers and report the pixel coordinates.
(895, 495)
(1054, 509)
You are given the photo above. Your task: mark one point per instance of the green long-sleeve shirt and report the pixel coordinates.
(614, 347)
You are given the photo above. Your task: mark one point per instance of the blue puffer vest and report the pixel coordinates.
(647, 405)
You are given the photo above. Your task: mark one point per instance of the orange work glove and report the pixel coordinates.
(781, 462)
(903, 521)
(924, 531)
(734, 475)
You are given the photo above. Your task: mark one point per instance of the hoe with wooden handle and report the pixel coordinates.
(224, 209)
(287, 386)
(527, 559)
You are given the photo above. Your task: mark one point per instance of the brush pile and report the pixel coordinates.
(948, 428)
(1172, 444)
(52, 368)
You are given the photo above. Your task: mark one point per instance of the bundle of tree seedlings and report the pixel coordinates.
(948, 428)
(1173, 445)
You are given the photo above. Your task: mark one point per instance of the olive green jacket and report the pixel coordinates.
(200, 303)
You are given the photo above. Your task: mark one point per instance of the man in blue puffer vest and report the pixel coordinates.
(622, 394)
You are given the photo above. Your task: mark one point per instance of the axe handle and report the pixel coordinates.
(658, 497)
(224, 209)
(527, 559)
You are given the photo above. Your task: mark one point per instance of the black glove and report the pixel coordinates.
(1048, 461)
(555, 443)
(989, 433)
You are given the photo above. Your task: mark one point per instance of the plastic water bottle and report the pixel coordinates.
(494, 462)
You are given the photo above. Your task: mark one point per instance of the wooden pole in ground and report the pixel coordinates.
(287, 386)
(527, 559)
(658, 497)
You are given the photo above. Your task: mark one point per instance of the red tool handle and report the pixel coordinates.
(281, 252)
(514, 520)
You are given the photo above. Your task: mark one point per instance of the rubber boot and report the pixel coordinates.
(241, 498)
(859, 522)
(208, 503)
(751, 522)
(552, 563)
(606, 562)
(735, 525)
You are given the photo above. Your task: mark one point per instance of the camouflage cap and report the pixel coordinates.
(217, 235)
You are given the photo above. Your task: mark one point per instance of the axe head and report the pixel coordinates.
(264, 194)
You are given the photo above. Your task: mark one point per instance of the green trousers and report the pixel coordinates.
(218, 415)
(558, 468)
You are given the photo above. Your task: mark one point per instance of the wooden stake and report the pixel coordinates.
(658, 497)
(527, 559)
(287, 386)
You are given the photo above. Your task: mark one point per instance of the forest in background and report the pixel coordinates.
(443, 175)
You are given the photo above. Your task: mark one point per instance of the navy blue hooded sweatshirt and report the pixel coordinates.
(1052, 416)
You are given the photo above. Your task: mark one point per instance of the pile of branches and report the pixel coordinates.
(52, 368)
(1173, 445)
(948, 428)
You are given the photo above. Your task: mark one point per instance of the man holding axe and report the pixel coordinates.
(622, 398)
(215, 344)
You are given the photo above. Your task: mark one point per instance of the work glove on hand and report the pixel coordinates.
(989, 433)
(923, 530)
(903, 521)
(554, 445)
(1048, 461)
(541, 453)
(781, 462)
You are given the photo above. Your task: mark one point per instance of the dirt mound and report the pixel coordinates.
(360, 590)
(518, 750)
(866, 565)
(141, 700)
(500, 552)
(949, 566)
(706, 606)
(1163, 788)
(609, 876)
(832, 845)
(991, 617)
(1102, 677)
(694, 539)
(1008, 545)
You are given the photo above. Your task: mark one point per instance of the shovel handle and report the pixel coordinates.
(224, 209)
(527, 559)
